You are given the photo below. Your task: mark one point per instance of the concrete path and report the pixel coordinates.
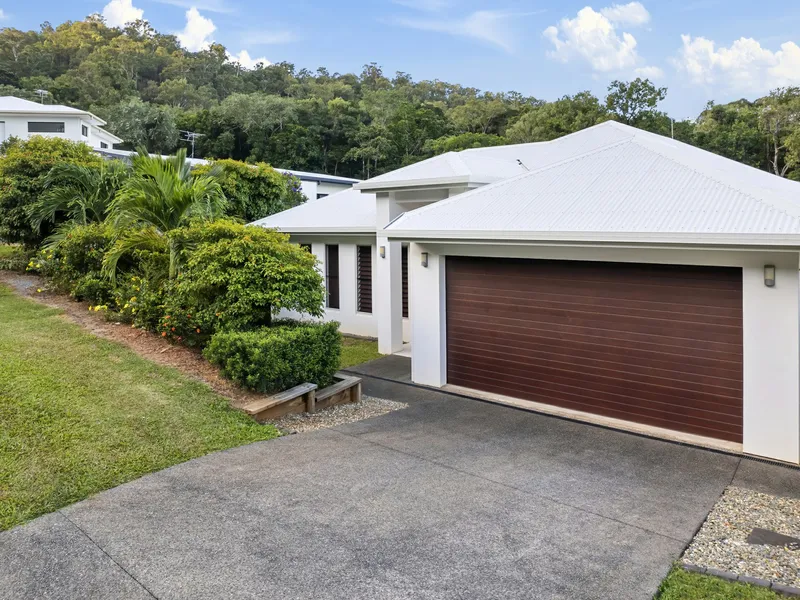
(450, 498)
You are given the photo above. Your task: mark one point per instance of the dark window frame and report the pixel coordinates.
(333, 297)
(46, 127)
(103, 145)
(84, 131)
(364, 279)
(404, 278)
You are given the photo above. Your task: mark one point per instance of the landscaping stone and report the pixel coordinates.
(721, 544)
(338, 415)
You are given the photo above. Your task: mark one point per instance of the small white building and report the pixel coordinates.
(23, 119)
(612, 275)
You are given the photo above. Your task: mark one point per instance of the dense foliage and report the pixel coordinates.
(253, 191)
(148, 88)
(277, 358)
(24, 170)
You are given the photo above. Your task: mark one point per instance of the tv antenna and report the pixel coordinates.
(191, 136)
(41, 94)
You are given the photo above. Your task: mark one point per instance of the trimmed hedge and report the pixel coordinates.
(274, 359)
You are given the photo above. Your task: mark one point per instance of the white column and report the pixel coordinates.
(771, 324)
(388, 297)
(428, 317)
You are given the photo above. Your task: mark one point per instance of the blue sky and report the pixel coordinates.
(699, 49)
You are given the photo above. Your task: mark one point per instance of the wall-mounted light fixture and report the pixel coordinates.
(424, 257)
(769, 275)
(382, 251)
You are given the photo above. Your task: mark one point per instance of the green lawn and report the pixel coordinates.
(680, 585)
(356, 351)
(80, 414)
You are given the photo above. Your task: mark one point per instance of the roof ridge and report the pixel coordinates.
(650, 140)
(509, 180)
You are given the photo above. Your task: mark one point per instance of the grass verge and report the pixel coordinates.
(356, 351)
(80, 414)
(680, 585)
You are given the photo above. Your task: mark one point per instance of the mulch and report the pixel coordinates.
(144, 343)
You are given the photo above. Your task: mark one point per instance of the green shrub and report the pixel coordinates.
(254, 191)
(277, 358)
(23, 172)
(236, 277)
(15, 258)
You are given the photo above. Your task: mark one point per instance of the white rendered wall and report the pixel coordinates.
(17, 126)
(771, 327)
(352, 321)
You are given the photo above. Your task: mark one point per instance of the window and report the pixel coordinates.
(321, 196)
(364, 279)
(404, 270)
(332, 274)
(103, 145)
(84, 131)
(38, 127)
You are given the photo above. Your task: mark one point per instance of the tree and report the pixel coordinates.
(635, 101)
(24, 169)
(77, 195)
(555, 119)
(161, 195)
(253, 191)
(142, 125)
(780, 119)
(464, 141)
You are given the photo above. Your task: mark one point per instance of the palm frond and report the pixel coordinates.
(147, 238)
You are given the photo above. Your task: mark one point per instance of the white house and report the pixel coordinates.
(23, 119)
(612, 275)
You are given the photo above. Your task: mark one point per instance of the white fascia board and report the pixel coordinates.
(704, 239)
(321, 231)
(407, 184)
(117, 140)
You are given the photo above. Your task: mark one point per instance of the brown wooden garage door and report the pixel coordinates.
(655, 344)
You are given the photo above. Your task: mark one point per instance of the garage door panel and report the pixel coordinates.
(704, 427)
(612, 383)
(598, 349)
(660, 345)
(480, 323)
(665, 375)
(599, 305)
(496, 313)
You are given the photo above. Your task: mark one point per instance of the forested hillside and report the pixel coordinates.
(149, 88)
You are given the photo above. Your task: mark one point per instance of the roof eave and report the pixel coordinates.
(319, 230)
(698, 239)
(433, 182)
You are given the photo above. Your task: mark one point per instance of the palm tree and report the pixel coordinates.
(161, 195)
(82, 193)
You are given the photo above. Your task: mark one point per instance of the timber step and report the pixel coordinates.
(305, 398)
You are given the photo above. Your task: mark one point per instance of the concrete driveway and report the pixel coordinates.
(450, 498)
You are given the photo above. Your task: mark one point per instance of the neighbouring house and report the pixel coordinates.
(314, 186)
(23, 119)
(611, 275)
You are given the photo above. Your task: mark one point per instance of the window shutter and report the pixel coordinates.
(364, 280)
(404, 268)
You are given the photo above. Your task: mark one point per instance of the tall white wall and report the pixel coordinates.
(17, 126)
(771, 327)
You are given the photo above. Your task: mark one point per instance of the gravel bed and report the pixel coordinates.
(338, 415)
(721, 544)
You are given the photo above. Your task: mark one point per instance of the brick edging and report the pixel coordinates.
(787, 590)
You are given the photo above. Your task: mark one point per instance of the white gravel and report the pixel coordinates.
(721, 544)
(338, 415)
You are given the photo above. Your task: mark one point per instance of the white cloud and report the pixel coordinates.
(745, 66)
(649, 72)
(426, 5)
(196, 35)
(488, 26)
(3, 15)
(633, 13)
(118, 13)
(243, 58)
(592, 37)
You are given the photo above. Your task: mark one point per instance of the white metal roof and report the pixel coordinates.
(348, 211)
(12, 104)
(487, 165)
(611, 183)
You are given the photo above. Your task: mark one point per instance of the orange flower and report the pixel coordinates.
(167, 317)
(198, 330)
(173, 329)
(163, 334)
